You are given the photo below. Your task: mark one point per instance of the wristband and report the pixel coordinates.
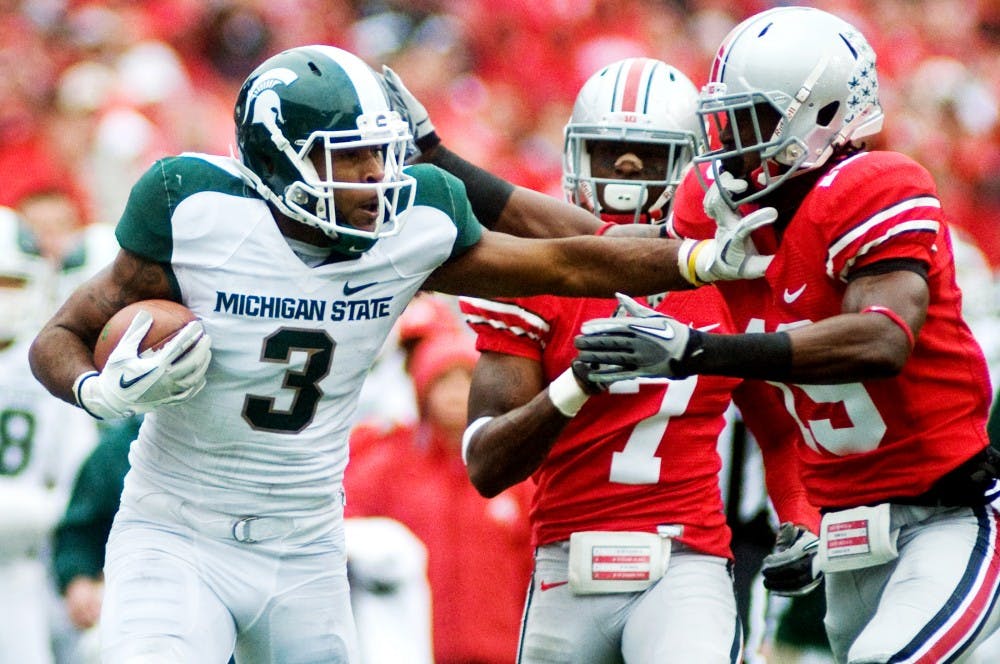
(566, 394)
(608, 225)
(687, 254)
(470, 431)
(895, 318)
(78, 389)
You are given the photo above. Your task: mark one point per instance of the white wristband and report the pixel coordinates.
(566, 394)
(687, 255)
(470, 431)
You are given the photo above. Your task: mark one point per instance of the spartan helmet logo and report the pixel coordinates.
(263, 105)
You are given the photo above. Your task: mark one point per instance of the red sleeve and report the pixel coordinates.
(687, 218)
(887, 208)
(509, 326)
(771, 426)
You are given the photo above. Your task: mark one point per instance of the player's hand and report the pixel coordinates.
(643, 343)
(731, 254)
(133, 383)
(790, 570)
(83, 599)
(408, 106)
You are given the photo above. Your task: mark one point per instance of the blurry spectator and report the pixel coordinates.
(478, 551)
(387, 398)
(42, 443)
(390, 594)
(79, 539)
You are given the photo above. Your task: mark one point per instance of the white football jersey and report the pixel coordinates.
(291, 344)
(43, 441)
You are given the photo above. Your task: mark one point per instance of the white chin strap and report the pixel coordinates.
(625, 197)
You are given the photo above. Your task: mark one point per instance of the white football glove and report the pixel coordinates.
(133, 383)
(408, 106)
(790, 570)
(731, 254)
(643, 343)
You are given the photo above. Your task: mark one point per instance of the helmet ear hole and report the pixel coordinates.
(827, 113)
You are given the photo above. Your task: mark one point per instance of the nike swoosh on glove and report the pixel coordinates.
(731, 254)
(790, 570)
(132, 383)
(644, 343)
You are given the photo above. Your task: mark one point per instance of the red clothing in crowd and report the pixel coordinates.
(478, 550)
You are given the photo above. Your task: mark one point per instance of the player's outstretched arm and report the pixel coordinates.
(582, 266)
(872, 338)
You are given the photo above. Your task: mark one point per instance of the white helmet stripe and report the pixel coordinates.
(369, 92)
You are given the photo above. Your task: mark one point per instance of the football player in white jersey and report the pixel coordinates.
(297, 256)
(42, 443)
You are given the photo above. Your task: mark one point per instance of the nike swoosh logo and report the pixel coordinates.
(351, 290)
(662, 332)
(791, 296)
(125, 384)
(708, 328)
(549, 586)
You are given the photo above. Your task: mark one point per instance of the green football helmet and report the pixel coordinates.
(321, 97)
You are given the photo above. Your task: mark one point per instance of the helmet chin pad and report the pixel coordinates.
(623, 197)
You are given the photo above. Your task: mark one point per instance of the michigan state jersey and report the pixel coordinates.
(291, 344)
(43, 441)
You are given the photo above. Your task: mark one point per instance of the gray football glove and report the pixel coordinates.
(790, 570)
(731, 254)
(643, 343)
(133, 383)
(408, 106)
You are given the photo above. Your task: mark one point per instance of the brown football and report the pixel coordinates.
(168, 318)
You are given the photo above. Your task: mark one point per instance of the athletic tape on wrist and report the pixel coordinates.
(566, 394)
(895, 318)
(470, 431)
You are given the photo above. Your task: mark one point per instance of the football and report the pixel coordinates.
(168, 319)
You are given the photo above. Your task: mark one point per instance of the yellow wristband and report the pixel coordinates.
(687, 256)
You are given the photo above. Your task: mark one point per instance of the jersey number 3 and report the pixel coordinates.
(260, 411)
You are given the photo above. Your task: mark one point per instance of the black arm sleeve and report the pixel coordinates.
(753, 355)
(487, 192)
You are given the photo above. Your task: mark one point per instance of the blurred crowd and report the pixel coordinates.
(92, 92)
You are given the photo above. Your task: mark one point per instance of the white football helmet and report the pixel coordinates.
(638, 100)
(23, 279)
(814, 69)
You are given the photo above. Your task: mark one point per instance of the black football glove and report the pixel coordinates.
(790, 569)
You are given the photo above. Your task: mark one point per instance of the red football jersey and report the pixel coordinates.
(642, 455)
(862, 443)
